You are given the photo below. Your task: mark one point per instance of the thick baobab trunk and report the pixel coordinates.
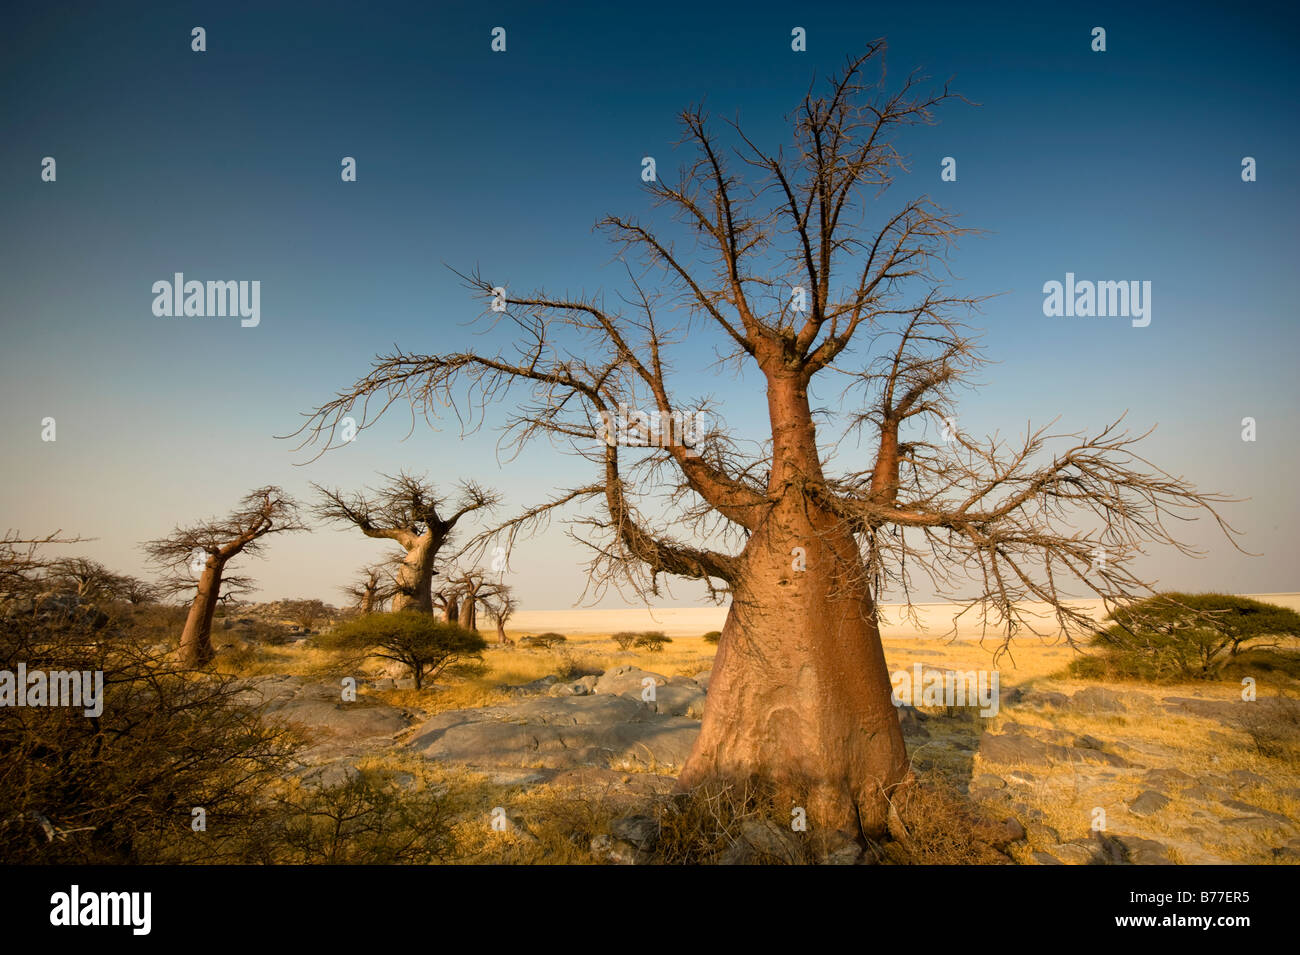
(196, 639)
(501, 631)
(415, 578)
(800, 697)
(368, 600)
(453, 609)
(469, 619)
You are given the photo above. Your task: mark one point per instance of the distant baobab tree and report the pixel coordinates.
(373, 587)
(501, 606)
(205, 550)
(791, 265)
(410, 511)
(447, 600)
(467, 590)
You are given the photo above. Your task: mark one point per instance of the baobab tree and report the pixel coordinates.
(782, 259)
(500, 608)
(470, 589)
(204, 550)
(373, 588)
(408, 510)
(447, 600)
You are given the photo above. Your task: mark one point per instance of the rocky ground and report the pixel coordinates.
(1115, 793)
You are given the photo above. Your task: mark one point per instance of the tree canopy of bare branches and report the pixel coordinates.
(197, 556)
(410, 511)
(790, 263)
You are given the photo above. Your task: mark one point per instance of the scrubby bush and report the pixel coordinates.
(424, 645)
(119, 786)
(366, 820)
(571, 666)
(1176, 636)
(548, 640)
(652, 640)
(713, 636)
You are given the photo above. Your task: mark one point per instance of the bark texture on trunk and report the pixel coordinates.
(800, 697)
(196, 639)
(415, 577)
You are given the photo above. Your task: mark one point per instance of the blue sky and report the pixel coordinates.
(225, 165)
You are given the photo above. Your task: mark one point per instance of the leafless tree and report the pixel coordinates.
(501, 606)
(464, 593)
(447, 600)
(408, 510)
(88, 579)
(307, 611)
(203, 551)
(374, 587)
(137, 591)
(24, 569)
(780, 257)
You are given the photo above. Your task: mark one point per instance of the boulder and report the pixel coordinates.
(640, 831)
(570, 732)
(319, 707)
(623, 680)
(677, 699)
(1148, 804)
(1167, 778)
(617, 852)
(1071, 853)
(762, 841)
(1012, 748)
(1097, 699)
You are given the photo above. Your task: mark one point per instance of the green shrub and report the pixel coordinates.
(1176, 636)
(652, 640)
(548, 640)
(424, 645)
(713, 636)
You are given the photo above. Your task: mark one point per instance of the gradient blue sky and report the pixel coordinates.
(225, 165)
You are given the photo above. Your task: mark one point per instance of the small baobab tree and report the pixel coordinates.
(373, 587)
(410, 511)
(783, 262)
(447, 601)
(197, 556)
(471, 589)
(501, 606)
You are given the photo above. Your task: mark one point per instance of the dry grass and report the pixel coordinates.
(557, 825)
